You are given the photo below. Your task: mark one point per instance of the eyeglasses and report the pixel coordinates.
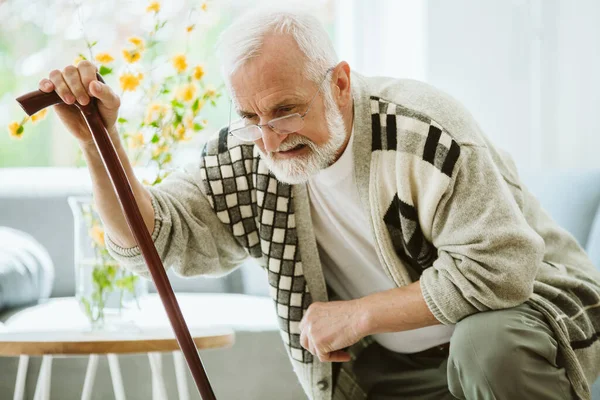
(282, 125)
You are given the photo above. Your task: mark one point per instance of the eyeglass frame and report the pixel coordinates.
(260, 126)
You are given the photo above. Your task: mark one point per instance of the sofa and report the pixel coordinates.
(256, 367)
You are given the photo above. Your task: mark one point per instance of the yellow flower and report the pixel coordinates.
(210, 92)
(198, 72)
(15, 129)
(39, 115)
(180, 133)
(136, 140)
(188, 121)
(186, 92)
(77, 60)
(154, 6)
(190, 28)
(204, 6)
(180, 62)
(132, 56)
(155, 111)
(159, 150)
(104, 58)
(97, 235)
(138, 42)
(129, 81)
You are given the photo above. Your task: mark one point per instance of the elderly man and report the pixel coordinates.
(405, 257)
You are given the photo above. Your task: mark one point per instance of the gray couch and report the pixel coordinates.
(256, 367)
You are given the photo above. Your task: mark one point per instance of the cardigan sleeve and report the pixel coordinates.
(187, 233)
(488, 255)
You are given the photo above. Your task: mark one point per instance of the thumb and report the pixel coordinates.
(105, 94)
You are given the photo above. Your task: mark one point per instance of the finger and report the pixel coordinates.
(87, 72)
(61, 87)
(338, 356)
(304, 340)
(312, 349)
(46, 85)
(73, 79)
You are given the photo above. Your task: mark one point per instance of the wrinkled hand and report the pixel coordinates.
(79, 84)
(326, 328)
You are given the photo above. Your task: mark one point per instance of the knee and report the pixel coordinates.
(493, 344)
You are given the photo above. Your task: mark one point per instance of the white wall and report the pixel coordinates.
(382, 37)
(528, 70)
(480, 53)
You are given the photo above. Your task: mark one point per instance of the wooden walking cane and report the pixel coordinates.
(37, 100)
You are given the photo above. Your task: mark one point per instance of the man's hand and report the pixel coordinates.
(326, 328)
(329, 327)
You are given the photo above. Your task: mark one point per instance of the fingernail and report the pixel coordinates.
(97, 86)
(46, 85)
(69, 99)
(82, 100)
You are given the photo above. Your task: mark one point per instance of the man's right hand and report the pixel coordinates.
(79, 84)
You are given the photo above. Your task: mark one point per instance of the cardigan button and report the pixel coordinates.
(323, 385)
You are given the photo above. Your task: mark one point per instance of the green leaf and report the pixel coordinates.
(111, 272)
(163, 24)
(121, 120)
(155, 124)
(82, 56)
(86, 306)
(155, 138)
(178, 119)
(176, 103)
(195, 105)
(198, 127)
(94, 43)
(20, 130)
(105, 70)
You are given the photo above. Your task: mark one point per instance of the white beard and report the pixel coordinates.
(300, 168)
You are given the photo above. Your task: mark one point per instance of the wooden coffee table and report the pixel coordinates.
(58, 328)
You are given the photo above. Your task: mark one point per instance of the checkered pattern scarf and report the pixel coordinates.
(259, 211)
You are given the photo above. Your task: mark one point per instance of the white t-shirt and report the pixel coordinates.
(347, 250)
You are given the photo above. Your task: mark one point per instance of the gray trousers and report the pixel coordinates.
(504, 355)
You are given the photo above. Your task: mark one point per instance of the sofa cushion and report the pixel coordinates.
(26, 270)
(571, 197)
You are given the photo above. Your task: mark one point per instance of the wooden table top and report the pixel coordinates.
(59, 327)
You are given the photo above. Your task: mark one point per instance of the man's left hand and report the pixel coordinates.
(326, 328)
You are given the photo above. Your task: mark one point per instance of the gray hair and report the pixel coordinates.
(243, 39)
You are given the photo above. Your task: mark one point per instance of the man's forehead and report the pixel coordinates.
(269, 94)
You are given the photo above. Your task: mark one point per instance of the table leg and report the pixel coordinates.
(180, 371)
(159, 391)
(21, 378)
(90, 376)
(42, 389)
(115, 374)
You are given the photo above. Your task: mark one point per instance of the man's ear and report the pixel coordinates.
(341, 84)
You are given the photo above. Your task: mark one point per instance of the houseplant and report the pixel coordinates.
(168, 113)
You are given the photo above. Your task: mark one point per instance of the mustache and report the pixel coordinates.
(294, 141)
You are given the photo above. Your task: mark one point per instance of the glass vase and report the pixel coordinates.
(106, 292)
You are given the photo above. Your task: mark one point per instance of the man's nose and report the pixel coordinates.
(271, 139)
